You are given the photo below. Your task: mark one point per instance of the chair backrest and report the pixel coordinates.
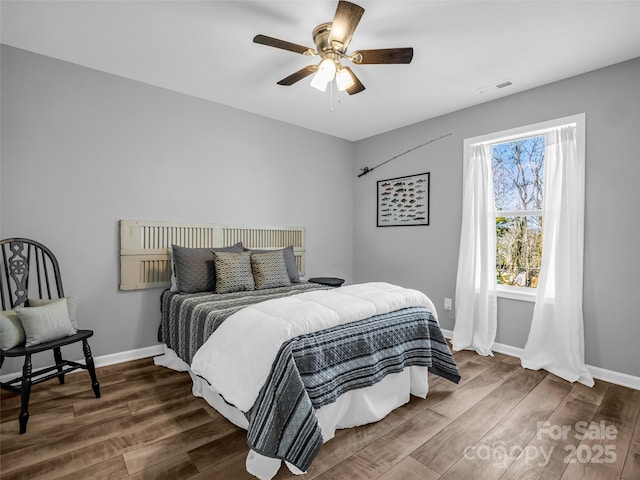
(28, 270)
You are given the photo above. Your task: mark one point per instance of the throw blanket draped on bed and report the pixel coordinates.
(312, 370)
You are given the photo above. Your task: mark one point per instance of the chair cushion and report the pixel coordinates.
(45, 323)
(11, 331)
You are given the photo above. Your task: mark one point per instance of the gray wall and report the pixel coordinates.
(82, 149)
(426, 257)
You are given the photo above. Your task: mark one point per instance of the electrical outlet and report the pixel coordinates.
(447, 304)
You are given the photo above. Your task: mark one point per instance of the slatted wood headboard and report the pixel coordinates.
(144, 254)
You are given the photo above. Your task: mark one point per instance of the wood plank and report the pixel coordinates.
(378, 457)
(480, 461)
(439, 388)
(543, 457)
(520, 425)
(111, 469)
(48, 415)
(465, 397)
(96, 443)
(603, 448)
(553, 386)
(443, 451)
(632, 463)
(593, 394)
(511, 360)
(348, 442)
(53, 432)
(179, 466)
(219, 450)
(231, 468)
(410, 469)
(139, 459)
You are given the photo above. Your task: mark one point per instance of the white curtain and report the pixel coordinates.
(476, 304)
(556, 339)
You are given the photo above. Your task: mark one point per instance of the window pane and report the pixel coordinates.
(517, 174)
(518, 250)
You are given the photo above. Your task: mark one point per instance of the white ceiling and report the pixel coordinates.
(205, 49)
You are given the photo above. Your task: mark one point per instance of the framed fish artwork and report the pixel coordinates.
(404, 201)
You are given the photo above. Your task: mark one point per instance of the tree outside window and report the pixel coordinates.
(518, 172)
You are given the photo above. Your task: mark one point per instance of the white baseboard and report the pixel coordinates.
(610, 376)
(110, 359)
(121, 357)
(618, 378)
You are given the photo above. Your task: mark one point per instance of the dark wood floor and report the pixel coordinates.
(147, 425)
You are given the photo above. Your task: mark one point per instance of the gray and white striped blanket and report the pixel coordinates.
(312, 370)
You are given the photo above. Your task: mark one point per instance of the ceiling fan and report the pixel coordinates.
(332, 40)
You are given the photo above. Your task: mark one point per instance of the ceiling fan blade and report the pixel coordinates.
(383, 55)
(345, 22)
(284, 45)
(357, 87)
(299, 75)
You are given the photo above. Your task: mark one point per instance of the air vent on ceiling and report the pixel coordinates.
(494, 87)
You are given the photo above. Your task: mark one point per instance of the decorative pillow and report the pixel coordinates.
(45, 323)
(195, 269)
(72, 306)
(233, 272)
(269, 269)
(11, 331)
(289, 260)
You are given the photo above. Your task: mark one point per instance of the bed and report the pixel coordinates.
(292, 361)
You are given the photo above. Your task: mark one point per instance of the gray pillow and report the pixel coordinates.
(11, 331)
(72, 306)
(195, 269)
(269, 269)
(289, 260)
(233, 272)
(45, 323)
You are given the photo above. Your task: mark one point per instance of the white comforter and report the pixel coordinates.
(237, 358)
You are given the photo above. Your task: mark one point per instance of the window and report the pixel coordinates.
(518, 168)
(518, 173)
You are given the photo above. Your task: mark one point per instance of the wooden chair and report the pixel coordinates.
(30, 270)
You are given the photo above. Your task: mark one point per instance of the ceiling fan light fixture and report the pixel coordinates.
(332, 40)
(344, 79)
(325, 74)
(327, 69)
(317, 81)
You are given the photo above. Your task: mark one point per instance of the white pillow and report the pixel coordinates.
(72, 306)
(45, 323)
(11, 331)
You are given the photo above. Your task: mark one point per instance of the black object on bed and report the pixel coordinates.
(329, 281)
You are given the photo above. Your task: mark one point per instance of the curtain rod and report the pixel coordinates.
(366, 170)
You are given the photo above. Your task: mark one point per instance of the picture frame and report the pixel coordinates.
(403, 201)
